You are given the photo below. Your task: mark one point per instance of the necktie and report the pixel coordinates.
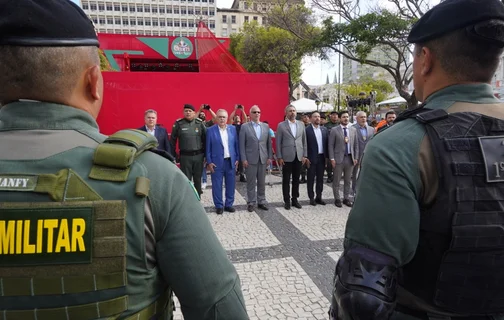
(346, 140)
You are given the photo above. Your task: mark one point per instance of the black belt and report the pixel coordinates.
(228, 158)
(348, 154)
(190, 153)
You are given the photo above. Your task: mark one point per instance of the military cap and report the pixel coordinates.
(188, 106)
(44, 23)
(451, 15)
(334, 112)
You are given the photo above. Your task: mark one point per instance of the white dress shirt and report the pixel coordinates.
(293, 127)
(318, 136)
(225, 141)
(152, 132)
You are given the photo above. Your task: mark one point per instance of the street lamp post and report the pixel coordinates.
(317, 102)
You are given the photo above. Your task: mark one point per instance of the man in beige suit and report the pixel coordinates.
(291, 153)
(344, 155)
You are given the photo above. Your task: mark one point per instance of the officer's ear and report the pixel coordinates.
(427, 60)
(94, 81)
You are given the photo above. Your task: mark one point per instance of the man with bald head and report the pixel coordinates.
(94, 227)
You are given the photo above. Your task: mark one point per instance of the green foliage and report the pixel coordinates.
(104, 63)
(269, 49)
(383, 89)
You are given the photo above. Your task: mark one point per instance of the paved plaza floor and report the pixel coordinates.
(285, 258)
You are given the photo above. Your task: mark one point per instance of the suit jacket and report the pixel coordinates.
(360, 139)
(312, 145)
(337, 143)
(289, 147)
(215, 149)
(162, 137)
(253, 149)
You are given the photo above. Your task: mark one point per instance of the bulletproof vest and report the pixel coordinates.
(190, 135)
(63, 234)
(459, 263)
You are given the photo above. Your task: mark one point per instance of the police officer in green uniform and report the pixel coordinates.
(424, 237)
(91, 227)
(333, 122)
(190, 132)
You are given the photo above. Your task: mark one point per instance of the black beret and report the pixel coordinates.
(44, 23)
(451, 15)
(334, 112)
(188, 106)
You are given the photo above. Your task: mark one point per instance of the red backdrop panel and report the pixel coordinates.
(128, 94)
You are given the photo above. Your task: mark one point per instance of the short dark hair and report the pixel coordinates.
(465, 57)
(389, 112)
(342, 113)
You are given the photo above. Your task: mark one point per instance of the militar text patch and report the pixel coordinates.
(18, 183)
(36, 236)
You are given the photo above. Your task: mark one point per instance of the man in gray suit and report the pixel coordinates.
(291, 153)
(256, 154)
(364, 133)
(344, 155)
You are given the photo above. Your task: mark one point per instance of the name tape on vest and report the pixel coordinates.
(492, 149)
(17, 183)
(36, 236)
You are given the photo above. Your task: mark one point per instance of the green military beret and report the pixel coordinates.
(451, 15)
(45, 23)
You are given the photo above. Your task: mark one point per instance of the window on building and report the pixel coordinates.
(205, 12)
(101, 7)
(233, 19)
(154, 10)
(246, 18)
(133, 22)
(117, 20)
(125, 22)
(264, 20)
(201, 0)
(117, 7)
(255, 6)
(212, 25)
(184, 24)
(211, 12)
(85, 6)
(211, 1)
(255, 18)
(197, 11)
(162, 23)
(224, 32)
(140, 22)
(245, 5)
(155, 33)
(139, 8)
(95, 20)
(224, 18)
(169, 23)
(183, 11)
(168, 10)
(183, 34)
(93, 6)
(124, 8)
(146, 8)
(176, 23)
(109, 7)
(132, 8)
(148, 22)
(110, 21)
(190, 11)
(162, 10)
(155, 23)
(102, 20)
(176, 10)
(233, 30)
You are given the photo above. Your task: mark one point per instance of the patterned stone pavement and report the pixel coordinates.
(285, 258)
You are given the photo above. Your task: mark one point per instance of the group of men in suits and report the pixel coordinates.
(313, 145)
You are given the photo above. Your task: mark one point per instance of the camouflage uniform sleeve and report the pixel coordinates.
(189, 255)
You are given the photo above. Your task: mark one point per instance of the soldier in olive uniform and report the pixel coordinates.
(333, 122)
(190, 132)
(91, 227)
(424, 239)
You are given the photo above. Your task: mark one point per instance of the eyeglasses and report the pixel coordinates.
(256, 112)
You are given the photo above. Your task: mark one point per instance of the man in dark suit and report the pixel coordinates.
(150, 117)
(222, 155)
(316, 141)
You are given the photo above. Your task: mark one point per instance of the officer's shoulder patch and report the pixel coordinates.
(179, 120)
(198, 120)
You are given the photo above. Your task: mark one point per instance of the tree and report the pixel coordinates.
(357, 35)
(270, 49)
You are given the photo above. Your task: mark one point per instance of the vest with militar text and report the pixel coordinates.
(459, 263)
(67, 223)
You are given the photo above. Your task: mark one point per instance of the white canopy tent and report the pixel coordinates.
(396, 100)
(308, 105)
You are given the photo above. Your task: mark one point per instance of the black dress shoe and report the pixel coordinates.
(337, 203)
(296, 204)
(219, 210)
(250, 208)
(348, 203)
(229, 209)
(263, 207)
(329, 180)
(320, 201)
(312, 202)
(287, 206)
(242, 178)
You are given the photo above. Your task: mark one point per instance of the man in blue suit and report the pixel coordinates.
(222, 155)
(150, 117)
(316, 141)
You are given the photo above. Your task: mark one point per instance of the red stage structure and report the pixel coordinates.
(164, 73)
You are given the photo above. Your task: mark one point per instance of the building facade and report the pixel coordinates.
(151, 17)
